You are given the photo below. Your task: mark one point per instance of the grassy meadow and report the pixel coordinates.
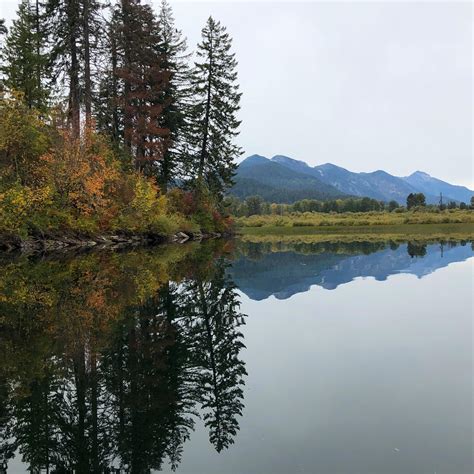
(408, 223)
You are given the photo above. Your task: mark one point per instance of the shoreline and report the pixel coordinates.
(427, 229)
(110, 241)
(122, 240)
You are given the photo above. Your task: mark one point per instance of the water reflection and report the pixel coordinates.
(107, 359)
(284, 269)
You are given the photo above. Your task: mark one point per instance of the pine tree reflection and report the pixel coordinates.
(114, 378)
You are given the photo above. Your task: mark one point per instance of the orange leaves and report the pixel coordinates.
(82, 173)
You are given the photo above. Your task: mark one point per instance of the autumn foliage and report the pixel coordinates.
(54, 182)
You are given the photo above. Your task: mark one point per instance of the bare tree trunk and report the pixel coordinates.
(74, 114)
(206, 118)
(127, 117)
(38, 47)
(115, 119)
(94, 412)
(87, 64)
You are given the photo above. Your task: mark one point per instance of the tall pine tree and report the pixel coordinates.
(73, 28)
(65, 34)
(92, 25)
(174, 60)
(107, 111)
(24, 60)
(214, 120)
(144, 81)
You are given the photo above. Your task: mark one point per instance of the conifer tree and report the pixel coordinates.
(91, 29)
(216, 100)
(73, 27)
(65, 33)
(25, 63)
(174, 60)
(144, 81)
(108, 115)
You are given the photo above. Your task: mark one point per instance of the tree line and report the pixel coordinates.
(415, 200)
(255, 205)
(122, 71)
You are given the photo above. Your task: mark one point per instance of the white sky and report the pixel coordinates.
(364, 85)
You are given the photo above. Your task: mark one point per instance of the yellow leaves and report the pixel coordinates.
(145, 210)
(146, 284)
(19, 202)
(145, 194)
(22, 139)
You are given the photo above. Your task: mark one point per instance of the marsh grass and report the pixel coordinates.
(362, 222)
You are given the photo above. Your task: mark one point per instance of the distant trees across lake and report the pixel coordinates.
(255, 205)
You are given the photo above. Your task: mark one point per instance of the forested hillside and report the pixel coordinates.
(284, 180)
(276, 183)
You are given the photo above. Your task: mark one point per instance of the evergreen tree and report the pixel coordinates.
(25, 64)
(65, 34)
(73, 28)
(216, 100)
(392, 205)
(174, 56)
(144, 81)
(108, 115)
(91, 29)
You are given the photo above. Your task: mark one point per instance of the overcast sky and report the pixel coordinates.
(376, 85)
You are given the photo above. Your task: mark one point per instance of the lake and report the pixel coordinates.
(239, 357)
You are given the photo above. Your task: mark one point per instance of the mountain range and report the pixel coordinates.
(285, 180)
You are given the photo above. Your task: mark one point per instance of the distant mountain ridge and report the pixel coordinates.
(278, 183)
(283, 179)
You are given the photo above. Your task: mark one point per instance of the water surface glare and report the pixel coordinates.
(342, 358)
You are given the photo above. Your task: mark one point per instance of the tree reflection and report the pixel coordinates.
(121, 360)
(416, 249)
(213, 321)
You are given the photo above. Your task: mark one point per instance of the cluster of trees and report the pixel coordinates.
(419, 200)
(75, 72)
(255, 205)
(104, 368)
(415, 199)
(456, 205)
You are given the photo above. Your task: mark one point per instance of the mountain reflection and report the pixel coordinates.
(107, 360)
(284, 269)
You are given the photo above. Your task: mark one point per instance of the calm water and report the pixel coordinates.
(240, 358)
